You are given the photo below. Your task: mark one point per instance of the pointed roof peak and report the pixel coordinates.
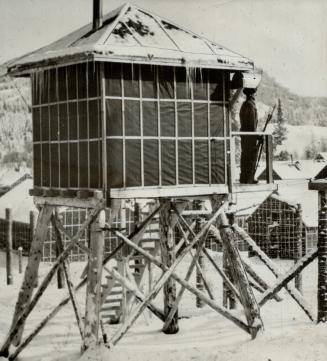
(132, 34)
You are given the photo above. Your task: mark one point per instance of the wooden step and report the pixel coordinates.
(110, 308)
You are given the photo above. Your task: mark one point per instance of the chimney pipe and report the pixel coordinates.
(97, 14)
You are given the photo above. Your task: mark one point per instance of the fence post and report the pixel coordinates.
(269, 159)
(10, 279)
(298, 245)
(322, 257)
(32, 231)
(20, 259)
(199, 281)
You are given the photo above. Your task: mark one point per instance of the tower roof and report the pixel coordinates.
(130, 34)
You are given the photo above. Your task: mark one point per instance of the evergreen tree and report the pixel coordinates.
(280, 130)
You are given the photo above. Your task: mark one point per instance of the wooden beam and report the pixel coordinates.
(322, 257)
(135, 290)
(221, 310)
(174, 308)
(31, 272)
(8, 236)
(294, 293)
(19, 319)
(260, 281)
(152, 294)
(167, 222)
(288, 276)
(252, 311)
(69, 282)
(93, 288)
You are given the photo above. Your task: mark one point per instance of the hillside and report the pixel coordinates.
(15, 118)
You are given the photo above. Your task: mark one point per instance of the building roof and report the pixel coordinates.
(247, 202)
(11, 175)
(19, 200)
(131, 34)
(297, 191)
(285, 170)
(322, 156)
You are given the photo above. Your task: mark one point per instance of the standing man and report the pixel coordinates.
(249, 122)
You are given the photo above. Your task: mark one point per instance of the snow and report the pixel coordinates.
(204, 335)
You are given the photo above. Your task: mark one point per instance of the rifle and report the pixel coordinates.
(261, 141)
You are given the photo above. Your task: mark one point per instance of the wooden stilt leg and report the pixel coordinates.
(31, 271)
(298, 246)
(322, 257)
(167, 244)
(251, 308)
(93, 289)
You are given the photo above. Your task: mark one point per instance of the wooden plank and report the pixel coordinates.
(288, 276)
(294, 293)
(93, 288)
(68, 202)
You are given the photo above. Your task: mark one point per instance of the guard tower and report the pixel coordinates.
(131, 106)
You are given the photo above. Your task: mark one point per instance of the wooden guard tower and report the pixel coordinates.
(133, 106)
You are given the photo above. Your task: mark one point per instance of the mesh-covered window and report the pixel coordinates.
(165, 126)
(66, 119)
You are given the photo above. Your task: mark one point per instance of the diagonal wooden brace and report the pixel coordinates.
(251, 308)
(135, 290)
(168, 273)
(194, 262)
(134, 236)
(69, 282)
(221, 310)
(288, 276)
(294, 293)
(19, 323)
(229, 284)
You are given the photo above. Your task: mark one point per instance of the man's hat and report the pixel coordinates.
(249, 91)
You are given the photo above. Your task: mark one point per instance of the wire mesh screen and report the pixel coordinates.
(21, 235)
(274, 227)
(72, 219)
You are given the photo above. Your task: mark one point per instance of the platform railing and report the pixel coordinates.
(264, 154)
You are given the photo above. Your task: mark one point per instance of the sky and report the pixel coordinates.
(286, 38)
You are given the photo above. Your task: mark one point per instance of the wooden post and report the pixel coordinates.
(251, 308)
(269, 160)
(20, 259)
(298, 245)
(322, 257)
(9, 231)
(168, 257)
(31, 271)
(199, 280)
(93, 289)
(33, 218)
(59, 250)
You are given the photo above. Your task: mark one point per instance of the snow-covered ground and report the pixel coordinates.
(204, 335)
